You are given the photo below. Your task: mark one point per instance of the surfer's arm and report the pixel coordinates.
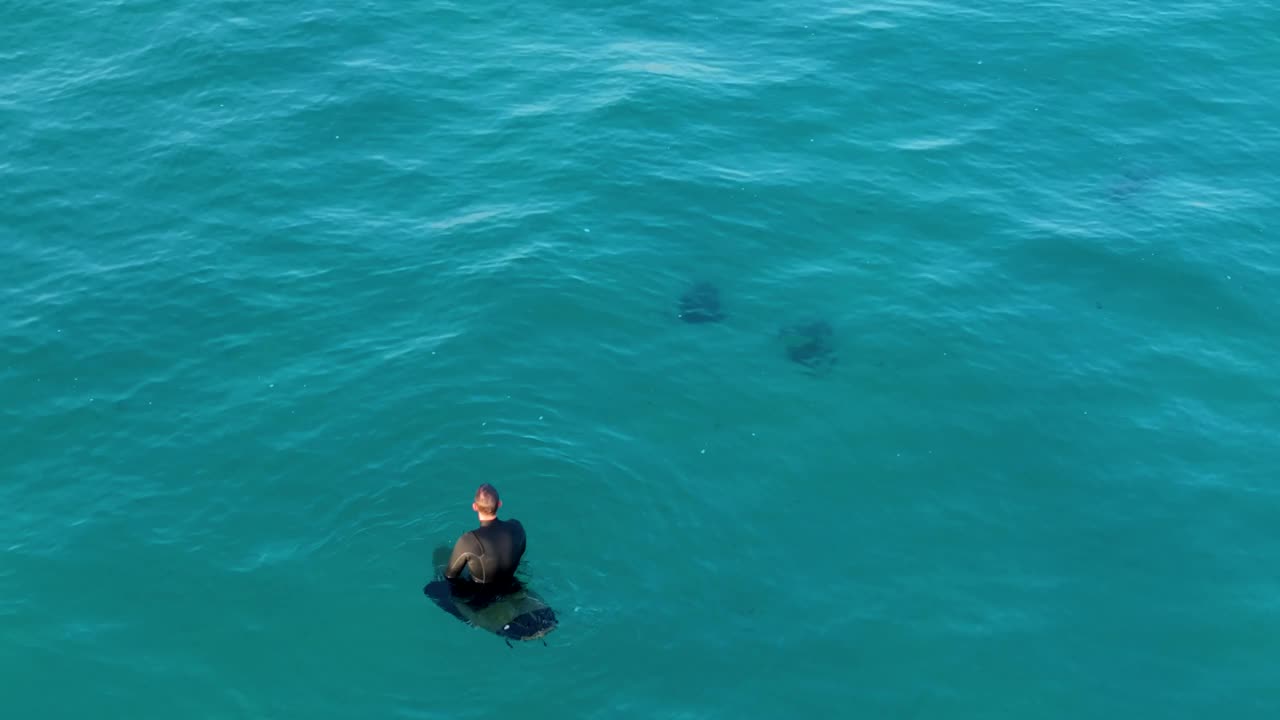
(463, 551)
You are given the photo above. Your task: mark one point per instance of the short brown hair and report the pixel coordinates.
(487, 499)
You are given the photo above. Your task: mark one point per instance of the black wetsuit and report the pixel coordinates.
(491, 553)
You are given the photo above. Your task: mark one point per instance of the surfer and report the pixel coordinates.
(477, 583)
(490, 554)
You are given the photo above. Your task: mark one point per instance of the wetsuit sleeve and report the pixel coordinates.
(465, 549)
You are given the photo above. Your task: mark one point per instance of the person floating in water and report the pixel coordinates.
(490, 554)
(477, 583)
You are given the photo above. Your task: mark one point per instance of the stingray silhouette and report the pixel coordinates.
(811, 344)
(701, 304)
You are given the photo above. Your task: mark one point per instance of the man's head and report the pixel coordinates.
(486, 503)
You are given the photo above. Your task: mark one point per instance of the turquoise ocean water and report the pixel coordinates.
(281, 283)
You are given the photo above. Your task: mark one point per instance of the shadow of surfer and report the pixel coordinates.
(476, 581)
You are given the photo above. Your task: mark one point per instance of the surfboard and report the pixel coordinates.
(518, 615)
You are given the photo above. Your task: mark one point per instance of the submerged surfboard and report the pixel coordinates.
(519, 615)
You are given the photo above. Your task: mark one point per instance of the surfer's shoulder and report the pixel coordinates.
(469, 541)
